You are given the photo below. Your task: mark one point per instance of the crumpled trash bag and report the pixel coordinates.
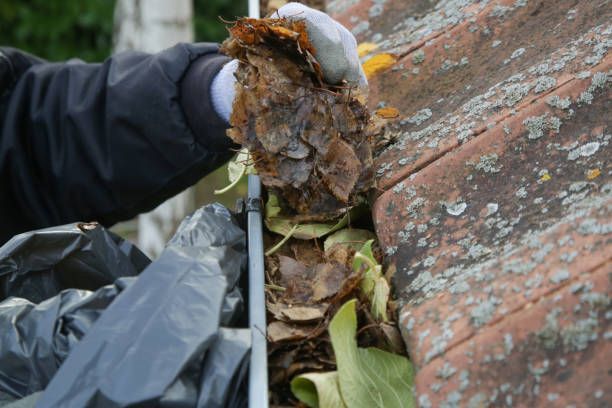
(43, 320)
(172, 336)
(38, 265)
(36, 339)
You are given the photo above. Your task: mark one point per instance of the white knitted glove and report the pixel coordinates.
(335, 47)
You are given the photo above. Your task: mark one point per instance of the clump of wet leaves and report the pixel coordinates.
(326, 295)
(310, 142)
(307, 288)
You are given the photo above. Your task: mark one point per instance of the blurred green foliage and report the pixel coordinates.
(208, 26)
(59, 30)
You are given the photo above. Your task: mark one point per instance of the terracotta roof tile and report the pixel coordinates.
(496, 194)
(550, 353)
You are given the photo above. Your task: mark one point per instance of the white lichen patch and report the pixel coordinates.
(420, 117)
(478, 251)
(424, 401)
(429, 261)
(479, 104)
(578, 186)
(459, 287)
(384, 167)
(591, 226)
(517, 53)
(464, 131)
(418, 57)
(446, 371)
(556, 102)
(455, 209)
(514, 93)
(578, 336)
(390, 251)
(491, 209)
(544, 83)
(598, 82)
(405, 233)
(586, 150)
(518, 266)
(361, 27)
(583, 74)
(560, 276)
(499, 11)
(415, 206)
(568, 257)
(521, 192)
(488, 163)
(537, 125)
(376, 10)
(541, 69)
(483, 312)
(398, 187)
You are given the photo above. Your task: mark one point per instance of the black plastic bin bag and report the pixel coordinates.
(42, 319)
(166, 340)
(79, 324)
(36, 339)
(38, 265)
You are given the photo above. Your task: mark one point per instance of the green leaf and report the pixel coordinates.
(318, 390)
(351, 237)
(238, 168)
(282, 225)
(368, 377)
(364, 255)
(364, 260)
(373, 283)
(242, 164)
(272, 208)
(380, 298)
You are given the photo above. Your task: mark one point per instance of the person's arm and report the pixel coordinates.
(104, 142)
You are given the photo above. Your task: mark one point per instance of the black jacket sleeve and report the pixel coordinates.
(104, 142)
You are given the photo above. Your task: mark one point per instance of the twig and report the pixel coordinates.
(275, 287)
(366, 327)
(233, 183)
(282, 241)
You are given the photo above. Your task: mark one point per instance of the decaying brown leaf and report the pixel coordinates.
(304, 313)
(393, 338)
(310, 284)
(309, 140)
(280, 331)
(329, 278)
(296, 278)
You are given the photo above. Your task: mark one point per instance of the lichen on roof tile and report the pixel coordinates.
(496, 194)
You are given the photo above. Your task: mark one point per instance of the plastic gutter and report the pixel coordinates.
(258, 367)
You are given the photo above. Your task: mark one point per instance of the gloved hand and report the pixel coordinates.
(335, 47)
